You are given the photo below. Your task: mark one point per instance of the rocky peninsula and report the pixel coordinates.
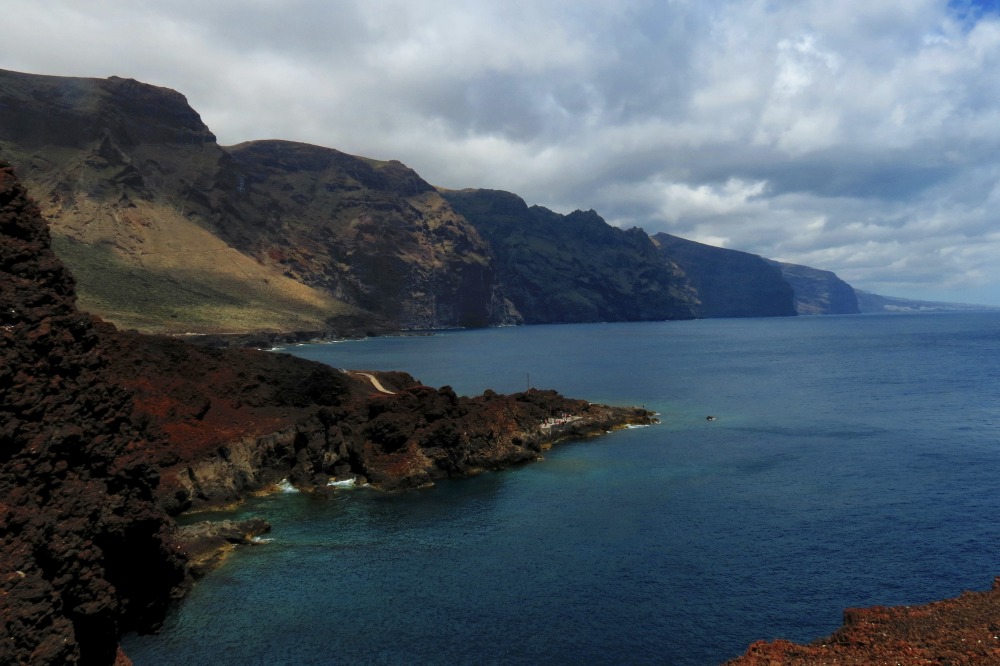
(106, 435)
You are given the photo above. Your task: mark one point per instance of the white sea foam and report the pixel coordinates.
(633, 426)
(286, 486)
(345, 483)
(260, 539)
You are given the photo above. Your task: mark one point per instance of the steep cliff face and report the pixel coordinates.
(372, 233)
(576, 267)
(729, 283)
(76, 490)
(169, 232)
(817, 291)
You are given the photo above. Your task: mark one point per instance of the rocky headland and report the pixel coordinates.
(106, 435)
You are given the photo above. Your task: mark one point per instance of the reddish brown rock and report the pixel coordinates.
(964, 631)
(76, 496)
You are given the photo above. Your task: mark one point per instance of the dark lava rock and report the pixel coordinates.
(84, 555)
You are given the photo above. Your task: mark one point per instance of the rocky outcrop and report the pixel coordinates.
(421, 435)
(240, 421)
(818, 292)
(960, 631)
(574, 268)
(77, 512)
(729, 283)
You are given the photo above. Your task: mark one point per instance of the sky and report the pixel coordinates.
(858, 136)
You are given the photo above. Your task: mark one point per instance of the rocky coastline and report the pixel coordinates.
(106, 436)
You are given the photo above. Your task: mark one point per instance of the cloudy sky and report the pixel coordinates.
(860, 136)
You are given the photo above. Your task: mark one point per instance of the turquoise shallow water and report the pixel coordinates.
(854, 461)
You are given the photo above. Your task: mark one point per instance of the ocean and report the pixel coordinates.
(853, 461)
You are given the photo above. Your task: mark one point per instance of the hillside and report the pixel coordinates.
(168, 231)
(574, 268)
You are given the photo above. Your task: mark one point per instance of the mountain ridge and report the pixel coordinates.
(169, 232)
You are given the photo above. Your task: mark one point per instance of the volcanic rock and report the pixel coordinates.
(964, 631)
(85, 554)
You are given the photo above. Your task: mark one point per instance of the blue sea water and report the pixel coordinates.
(854, 461)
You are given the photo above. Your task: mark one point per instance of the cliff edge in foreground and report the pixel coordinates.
(84, 554)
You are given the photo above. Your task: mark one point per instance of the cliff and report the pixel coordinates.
(374, 234)
(817, 291)
(167, 231)
(729, 283)
(576, 267)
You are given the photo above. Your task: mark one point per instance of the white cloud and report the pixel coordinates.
(857, 136)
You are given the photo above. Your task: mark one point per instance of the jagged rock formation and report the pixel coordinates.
(167, 231)
(576, 267)
(963, 631)
(729, 283)
(818, 292)
(241, 420)
(206, 544)
(76, 490)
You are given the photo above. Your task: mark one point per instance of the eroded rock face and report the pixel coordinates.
(730, 283)
(372, 233)
(574, 268)
(76, 494)
(818, 292)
